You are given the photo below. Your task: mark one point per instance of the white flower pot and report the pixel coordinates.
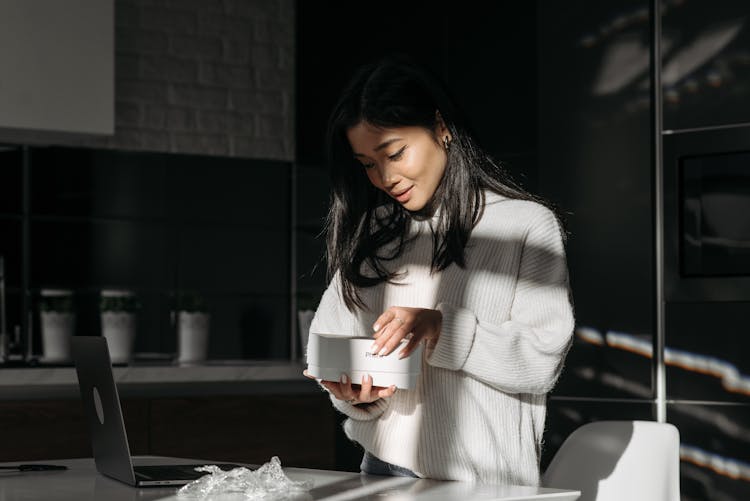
(119, 329)
(192, 336)
(57, 329)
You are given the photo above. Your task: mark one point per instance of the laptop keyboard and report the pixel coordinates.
(174, 472)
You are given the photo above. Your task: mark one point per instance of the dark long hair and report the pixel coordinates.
(397, 93)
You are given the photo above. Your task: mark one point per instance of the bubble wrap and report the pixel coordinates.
(267, 483)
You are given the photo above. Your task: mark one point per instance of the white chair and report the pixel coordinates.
(619, 461)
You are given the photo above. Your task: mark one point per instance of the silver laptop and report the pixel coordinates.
(108, 438)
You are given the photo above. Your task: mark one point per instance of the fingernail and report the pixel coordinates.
(401, 354)
(393, 387)
(364, 379)
(376, 327)
(344, 379)
(374, 348)
(369, 378)
(382, 352)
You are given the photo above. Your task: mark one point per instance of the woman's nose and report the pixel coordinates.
(388, 177)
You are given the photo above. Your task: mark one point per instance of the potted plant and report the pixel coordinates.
(193, 324)
(58, 321)
(118, 318)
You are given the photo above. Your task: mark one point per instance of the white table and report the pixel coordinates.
(81, 482)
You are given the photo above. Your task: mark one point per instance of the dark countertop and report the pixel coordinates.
(163, 380)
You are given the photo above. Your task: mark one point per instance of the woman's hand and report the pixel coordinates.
(355, 393)
(398, 323)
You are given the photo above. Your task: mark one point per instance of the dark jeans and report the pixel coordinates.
(374, 466)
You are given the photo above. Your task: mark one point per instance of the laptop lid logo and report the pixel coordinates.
(98, 406)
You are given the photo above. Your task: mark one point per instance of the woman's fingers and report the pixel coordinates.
(356, 394)
(410, 346)
(369, 393)
(391, 335)
(390, 321)
(383, 320)
(386, 392)
(365, 393)
(388, 342)
(334, 388)
(401, 322)
(346, 387)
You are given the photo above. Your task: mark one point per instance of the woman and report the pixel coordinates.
(430, 241)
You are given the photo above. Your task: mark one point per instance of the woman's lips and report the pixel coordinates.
(403, 197)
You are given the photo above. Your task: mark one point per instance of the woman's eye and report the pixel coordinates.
(368, 166)
(397, 155)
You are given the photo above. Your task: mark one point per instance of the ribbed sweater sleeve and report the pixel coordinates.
(523, 354)
(332, 317)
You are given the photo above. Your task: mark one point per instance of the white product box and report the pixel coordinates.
(330, 356)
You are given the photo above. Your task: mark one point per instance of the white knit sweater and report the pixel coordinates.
(477, 412)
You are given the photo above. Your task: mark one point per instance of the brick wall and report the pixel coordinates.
(198, 76)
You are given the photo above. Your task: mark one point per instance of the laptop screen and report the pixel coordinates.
(101, 402)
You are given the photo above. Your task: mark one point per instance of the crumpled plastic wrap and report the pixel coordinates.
(267, 483)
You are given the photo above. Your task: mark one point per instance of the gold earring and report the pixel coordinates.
(446, 144)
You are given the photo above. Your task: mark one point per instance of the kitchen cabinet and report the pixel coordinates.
(58, 66)
(299, 428)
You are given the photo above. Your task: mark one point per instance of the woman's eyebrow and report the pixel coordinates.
(386, 143)
(380, 146)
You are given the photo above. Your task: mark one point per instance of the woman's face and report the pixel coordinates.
(405, 162)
